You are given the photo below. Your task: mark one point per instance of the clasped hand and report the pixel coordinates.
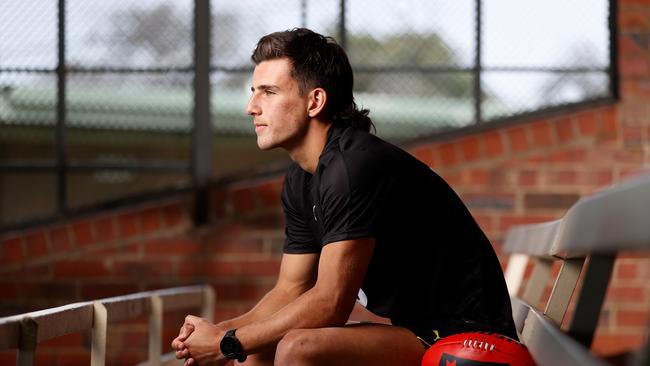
(198, 343)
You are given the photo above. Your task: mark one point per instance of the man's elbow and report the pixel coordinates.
(335, 309)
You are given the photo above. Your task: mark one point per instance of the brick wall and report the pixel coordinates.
(517, 172)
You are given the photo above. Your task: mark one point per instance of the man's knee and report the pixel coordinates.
(298, 347)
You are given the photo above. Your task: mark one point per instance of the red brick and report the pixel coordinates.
(528, 178)
(506, 221)
(626, 270)
(633, 135)
(99, 291)
(226, 312)
(227, 292)
(82, 268)
(558, 201)
(12, 249)
(59, 239)
(619, 293)
(453, 178)
(243, 200)
(134, 358)
(8, 357)
(567, 156)
(172, 247)
(135, 339)
(65, 341)
(253, 292)
(83, 234)
(486, 222)
(518, 139)
(150, 220)
(8, 290)
(191, 268)
(143, 268)
(632, 21)
(104, 229)
(609, 344)
(479, 177)
(470, 148)
(36, 245)
(634, 66)
(33, 271)
(564, 177)
(448, 154)
(222, 268)
(542, 134)
(600, 178)
(173, 215)
(241, 246)
(638, 318)
(269, 267)
(73, 359)
(587, 124)
(500, 201)
(45, 358)
(493, 145)
(564, 128)
(269, 194)
(219, 202)
(127, 225)
(425, 154)
(609, 126)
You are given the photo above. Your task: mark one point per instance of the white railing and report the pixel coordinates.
(24, 331)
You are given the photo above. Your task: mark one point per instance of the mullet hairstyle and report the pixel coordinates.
(317, 62)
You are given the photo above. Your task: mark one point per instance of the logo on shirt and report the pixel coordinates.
(362, 298)
(313, 209)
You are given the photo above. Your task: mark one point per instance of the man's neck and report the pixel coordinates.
(308, 152)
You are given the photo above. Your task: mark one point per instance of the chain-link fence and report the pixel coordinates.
(97, 101)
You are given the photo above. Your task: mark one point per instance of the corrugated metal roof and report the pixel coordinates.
(166, 110)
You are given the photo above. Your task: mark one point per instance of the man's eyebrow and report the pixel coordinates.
(264, 87)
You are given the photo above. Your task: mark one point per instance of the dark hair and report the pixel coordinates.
(317, 61)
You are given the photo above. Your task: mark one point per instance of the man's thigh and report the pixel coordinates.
(354, 345)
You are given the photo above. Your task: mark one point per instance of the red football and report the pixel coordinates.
(477, 349)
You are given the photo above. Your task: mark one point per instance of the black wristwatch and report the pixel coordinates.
(231, 347)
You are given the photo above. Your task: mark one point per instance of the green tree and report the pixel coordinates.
(407, 50)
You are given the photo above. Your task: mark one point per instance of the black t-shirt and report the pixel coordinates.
(431, 268)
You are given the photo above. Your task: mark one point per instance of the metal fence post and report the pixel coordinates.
(59, 144)
(27, 343)
(478, 118)
(202, 130)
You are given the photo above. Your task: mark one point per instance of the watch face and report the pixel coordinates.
(228, 347)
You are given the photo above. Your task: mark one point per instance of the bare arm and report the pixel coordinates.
(342, 267)
(297, 275)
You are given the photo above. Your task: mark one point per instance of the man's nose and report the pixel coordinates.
(252, 108)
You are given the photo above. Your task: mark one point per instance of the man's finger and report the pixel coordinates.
(189, 362)
(184, 353)
(192, 319)
(185, 332)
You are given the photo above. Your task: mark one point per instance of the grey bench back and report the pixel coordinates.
(586, 240)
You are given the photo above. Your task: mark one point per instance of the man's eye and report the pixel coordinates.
(268, 92)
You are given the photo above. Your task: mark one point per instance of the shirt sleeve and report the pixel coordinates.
(354, 191)
(299, 238)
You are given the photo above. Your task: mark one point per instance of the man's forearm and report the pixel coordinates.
(313, 309)
(273, 301)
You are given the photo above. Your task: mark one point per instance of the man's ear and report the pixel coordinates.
(317, 100)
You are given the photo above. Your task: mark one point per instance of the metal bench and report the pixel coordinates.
(586, 241)
(24, 331)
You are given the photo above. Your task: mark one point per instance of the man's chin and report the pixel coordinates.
(265, 146)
